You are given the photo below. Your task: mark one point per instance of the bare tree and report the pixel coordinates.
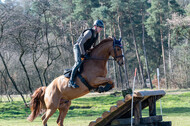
(12, 80)
(20, 36)
(6, 85)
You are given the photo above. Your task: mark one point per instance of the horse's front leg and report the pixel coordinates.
(102, 81)
(99, 81)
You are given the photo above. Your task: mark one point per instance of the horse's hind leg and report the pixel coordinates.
(47, 115)
(43, 116)
(63, 109)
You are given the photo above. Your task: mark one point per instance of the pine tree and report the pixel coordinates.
(155, 26)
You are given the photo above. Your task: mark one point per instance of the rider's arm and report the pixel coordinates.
(87, 35)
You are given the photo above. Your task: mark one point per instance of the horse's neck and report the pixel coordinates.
(102, 52)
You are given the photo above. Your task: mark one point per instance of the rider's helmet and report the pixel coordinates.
(99, 23)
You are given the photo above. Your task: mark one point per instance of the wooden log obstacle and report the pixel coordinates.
(120, 115)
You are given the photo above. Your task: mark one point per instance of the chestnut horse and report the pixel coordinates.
(57, 95)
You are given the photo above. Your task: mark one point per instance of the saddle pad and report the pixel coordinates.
(67, 73)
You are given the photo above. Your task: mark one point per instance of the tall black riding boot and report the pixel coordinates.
(77, 64)
(71, 81)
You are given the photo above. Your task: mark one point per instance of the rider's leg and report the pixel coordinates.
(77, 64)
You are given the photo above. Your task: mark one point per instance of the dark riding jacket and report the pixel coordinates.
(86, 40)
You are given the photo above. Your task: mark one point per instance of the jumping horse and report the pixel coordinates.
(57, 95)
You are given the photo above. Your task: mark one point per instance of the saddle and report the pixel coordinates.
(67, 74)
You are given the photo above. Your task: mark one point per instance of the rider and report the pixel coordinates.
(84, 43)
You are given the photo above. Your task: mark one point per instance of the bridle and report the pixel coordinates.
(116, 43)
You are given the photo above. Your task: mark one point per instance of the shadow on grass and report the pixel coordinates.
(171, 111)
(80, 107)
(177, 110)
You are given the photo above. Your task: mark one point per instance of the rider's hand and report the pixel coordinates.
(84, 56)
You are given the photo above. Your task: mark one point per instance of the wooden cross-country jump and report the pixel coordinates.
(120, 115)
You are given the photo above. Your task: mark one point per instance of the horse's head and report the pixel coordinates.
(117, 52)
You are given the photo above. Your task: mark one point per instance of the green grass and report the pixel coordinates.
(176, 108)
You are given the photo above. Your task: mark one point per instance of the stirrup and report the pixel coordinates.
(73, 85)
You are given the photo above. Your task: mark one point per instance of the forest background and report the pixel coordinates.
(37, 36)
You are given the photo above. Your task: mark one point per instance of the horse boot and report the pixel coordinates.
(107, 87)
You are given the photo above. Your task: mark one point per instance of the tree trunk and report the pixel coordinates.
(169, 55)
(36, 67)
(2, 29)
(12, 80)
(35, 58)
(138, 78)
(186, 68)
(48, 50)
(137, 54)
(26, 73)
(144, 49)
(49, 63)
(124, 59)
(72, 38)
(6, 87)
(163, 55)
(114, 65)
(44, 74)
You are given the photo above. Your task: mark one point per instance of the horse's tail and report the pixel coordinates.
(36, 103)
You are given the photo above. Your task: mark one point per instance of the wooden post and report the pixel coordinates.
(152, 106)
(138, 113)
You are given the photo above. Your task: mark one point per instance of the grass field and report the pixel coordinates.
(176, 108)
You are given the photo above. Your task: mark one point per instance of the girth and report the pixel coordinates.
(85, 82)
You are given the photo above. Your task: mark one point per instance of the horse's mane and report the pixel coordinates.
(103, 41)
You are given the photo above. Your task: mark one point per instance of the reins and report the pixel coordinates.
(93, 58)
(114, 58)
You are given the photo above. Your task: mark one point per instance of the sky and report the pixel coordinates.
(3, 1)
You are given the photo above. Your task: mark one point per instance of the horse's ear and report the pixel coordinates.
(120, 39)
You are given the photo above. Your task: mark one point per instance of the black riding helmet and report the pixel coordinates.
(99, 23)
